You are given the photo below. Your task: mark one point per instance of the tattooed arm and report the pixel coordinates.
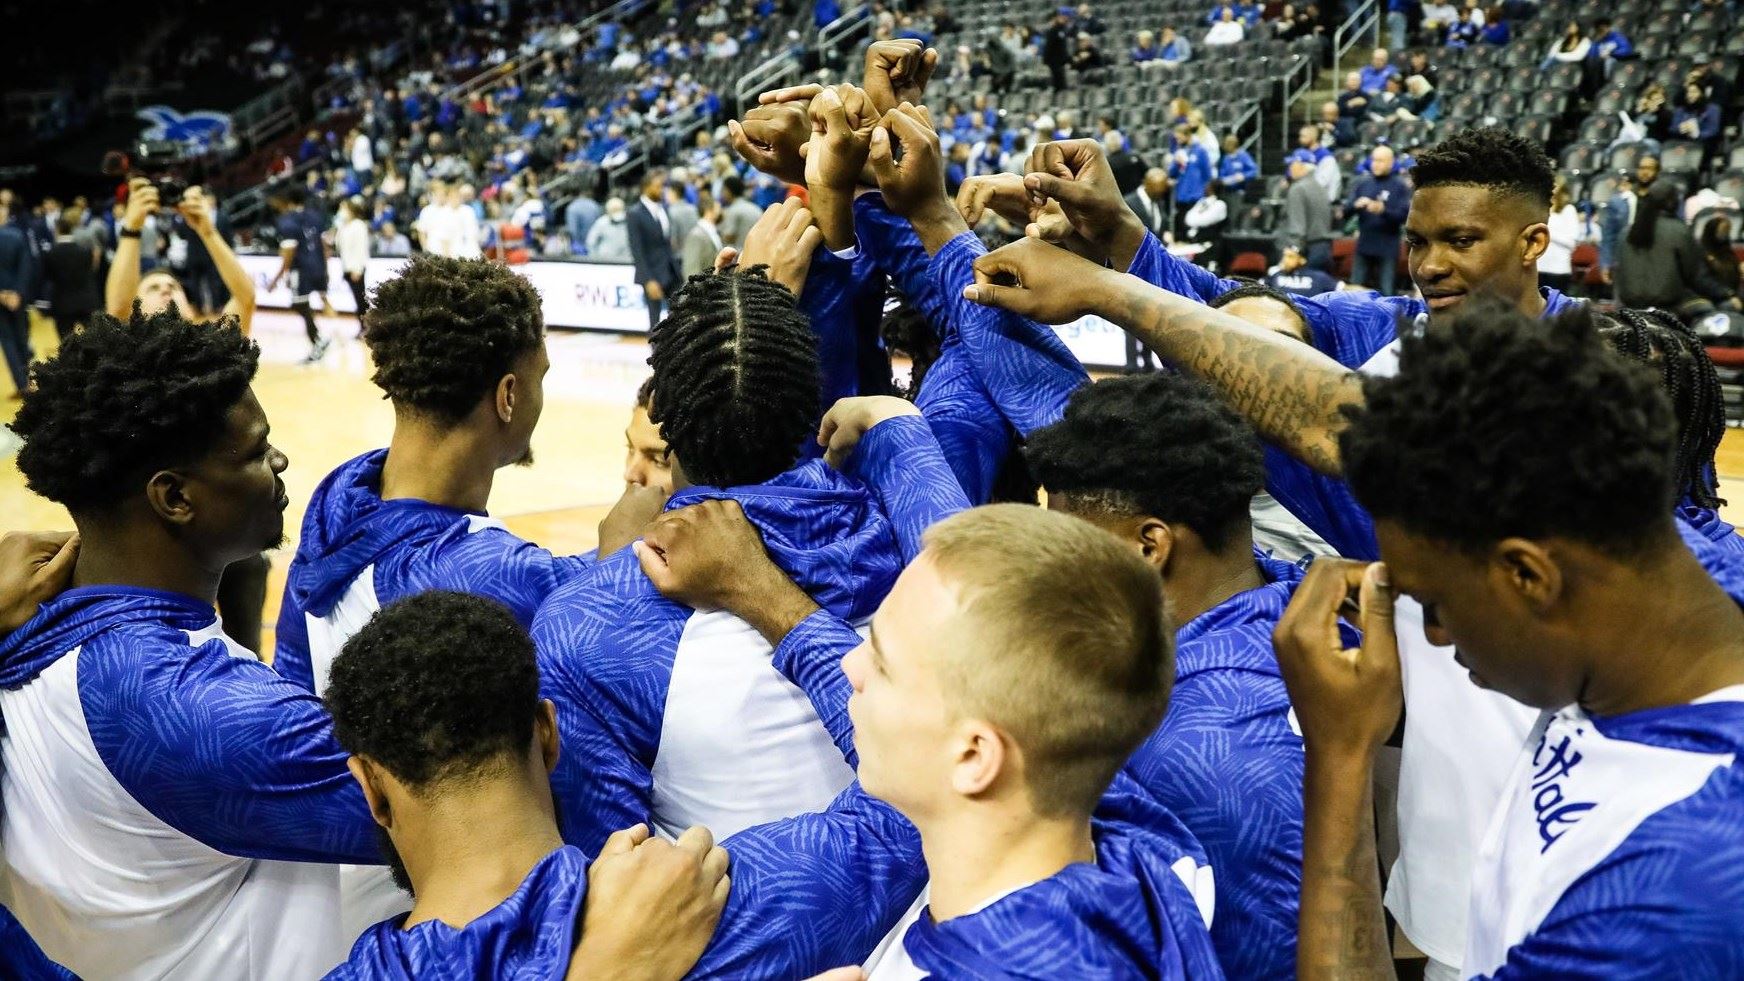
(1291, 393)
(1342, 930)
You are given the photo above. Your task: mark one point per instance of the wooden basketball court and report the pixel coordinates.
(323, 415)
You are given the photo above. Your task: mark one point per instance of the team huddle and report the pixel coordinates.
(836, 695)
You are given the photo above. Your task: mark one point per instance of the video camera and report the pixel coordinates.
(156, 161)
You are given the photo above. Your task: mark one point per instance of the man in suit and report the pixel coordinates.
(703, 243)
(651, 249)
(15, 273)
(1129, 168)
(681, 214)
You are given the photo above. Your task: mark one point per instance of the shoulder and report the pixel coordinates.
(607, 623)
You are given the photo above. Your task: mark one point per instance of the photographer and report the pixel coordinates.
(160, 288)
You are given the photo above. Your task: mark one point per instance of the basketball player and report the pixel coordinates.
(437, 698)
(1160, 462)
(1566, 586)
(242, 590)
(303, 249)
(1015, 666)
(171, 805)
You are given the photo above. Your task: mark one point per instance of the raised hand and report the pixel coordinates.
(916, 183)
(196, 209)
(897, 71)
(1347, 701)
(709, 556)
(783, 240)
(1075, 173)
(1043, 282)
(772, 138)
(793, 93)
(842, 120)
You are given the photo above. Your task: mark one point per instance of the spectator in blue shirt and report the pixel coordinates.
(1293, 275)
(1236, 169)
(1190, 168)
(1247, 13)
(1611, 44)
(1176, 49)
(1146, 49)
(1375, 74)
(1697, 119)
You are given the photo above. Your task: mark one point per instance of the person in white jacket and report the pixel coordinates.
(351, 237)
(1567, 230)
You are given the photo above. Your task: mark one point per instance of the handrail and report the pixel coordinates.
(245, 203)
(1291, 92)
(777, 67)
(833, 32)
(1367, 15)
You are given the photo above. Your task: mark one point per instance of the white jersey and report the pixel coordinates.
(128, 834)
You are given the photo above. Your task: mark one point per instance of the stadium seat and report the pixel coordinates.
(1583, 158)
(1503, 105)
(1563, 76)
(1680, 157)
(1599, 129)
(1534, 127)
(1730, 185)
(1602, 188)
(1698, 43)
(1626, 156)
(1612, 101)
(1547, 102)
(1251, 264)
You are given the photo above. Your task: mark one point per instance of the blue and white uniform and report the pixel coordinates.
(1616, 849)
(171, 806)
(809, 893)
(358, 553)
(1142, 910)
(1227, 760)
(674, 715)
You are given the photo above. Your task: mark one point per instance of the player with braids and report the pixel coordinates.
(1660, 341)
(637, 678)
(735, 379)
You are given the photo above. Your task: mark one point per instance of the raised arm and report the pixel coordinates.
(197, 209)
(887, 443)
(1292, 394)
(122, 284)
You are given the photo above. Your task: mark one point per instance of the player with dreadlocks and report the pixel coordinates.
(676, 715)
(1686, 373)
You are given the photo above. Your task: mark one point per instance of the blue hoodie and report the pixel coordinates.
(1228, 762)
(1128, 916)
(409, 547)
(609, 650)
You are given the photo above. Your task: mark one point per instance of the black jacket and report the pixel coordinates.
(652, 250)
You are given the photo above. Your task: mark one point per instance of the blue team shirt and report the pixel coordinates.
(304, 227)
(808, 893)
(1228, 762)
(409, 547)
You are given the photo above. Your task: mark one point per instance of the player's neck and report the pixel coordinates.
(123, 553)
(985, 850)
(471, 849)
(448, 466)
(1669, 633)
(1207, 580)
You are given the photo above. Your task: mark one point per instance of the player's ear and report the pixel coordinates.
(368, 777)
(545, 732)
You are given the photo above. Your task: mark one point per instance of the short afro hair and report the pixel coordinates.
(444, 331)
(736, 379)
(1491, 157)
(125, 399)
(1500, 424)
(437, 686)
(1156, 444)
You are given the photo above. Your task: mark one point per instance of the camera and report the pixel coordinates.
(156, 161)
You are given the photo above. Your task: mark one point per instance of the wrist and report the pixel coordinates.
(1125, 240)
(770, 602)
(937, 222)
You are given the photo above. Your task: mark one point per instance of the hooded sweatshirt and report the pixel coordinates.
(675, 714)
(171, 806)
(1228, 761)
(358, 553)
